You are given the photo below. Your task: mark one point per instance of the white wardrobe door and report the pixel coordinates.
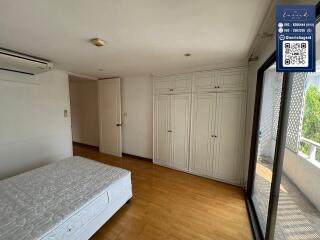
(204, 107)
(230, 137)
(162, 85)
(180, 109)
(110, 116)
(203, 81)
(231, 80)
(163, 136)
(181, 83)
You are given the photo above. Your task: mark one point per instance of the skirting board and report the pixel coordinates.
(85, 145)
(199, 175)
(136, 157)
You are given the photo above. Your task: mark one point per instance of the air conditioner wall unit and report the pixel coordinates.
(17, 62)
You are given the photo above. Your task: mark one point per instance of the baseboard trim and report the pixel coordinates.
(85, 145)
(136, 157)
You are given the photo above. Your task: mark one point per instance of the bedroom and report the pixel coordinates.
(163, 90)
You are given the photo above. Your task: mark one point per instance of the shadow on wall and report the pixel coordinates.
(84, 110)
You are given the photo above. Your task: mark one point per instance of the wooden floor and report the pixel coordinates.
(171, 205)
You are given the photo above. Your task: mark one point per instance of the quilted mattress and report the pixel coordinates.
(57, 200)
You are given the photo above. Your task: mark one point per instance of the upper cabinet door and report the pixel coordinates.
(162, 85)
(163, 137)
(203, 121)
(181, 83)
(231, 79)
(230, 137)
(203, 81)
(180, 111)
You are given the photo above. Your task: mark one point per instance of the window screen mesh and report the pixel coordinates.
(295, 112)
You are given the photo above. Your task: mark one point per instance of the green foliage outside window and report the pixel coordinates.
(311, 119)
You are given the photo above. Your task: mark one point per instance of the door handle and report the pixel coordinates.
(119, 124)
(215, 136)
(169, 130)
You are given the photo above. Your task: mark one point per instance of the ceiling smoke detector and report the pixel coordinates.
(98, 42)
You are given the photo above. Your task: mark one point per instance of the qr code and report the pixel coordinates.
(295, 53)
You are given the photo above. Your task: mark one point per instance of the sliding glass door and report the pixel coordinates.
(267, 136)
(283, 193)
(298, 214)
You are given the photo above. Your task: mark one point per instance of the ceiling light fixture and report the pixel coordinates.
(98, 42)
(187, 54)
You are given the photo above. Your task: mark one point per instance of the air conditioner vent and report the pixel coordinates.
(16, 62)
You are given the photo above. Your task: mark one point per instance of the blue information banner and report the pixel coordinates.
(296, 38)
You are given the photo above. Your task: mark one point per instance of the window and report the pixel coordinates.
(310, 131)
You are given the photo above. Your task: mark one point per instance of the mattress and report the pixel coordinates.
(58, 200)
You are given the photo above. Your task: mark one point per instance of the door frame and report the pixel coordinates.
(278, 155)
(255, 225)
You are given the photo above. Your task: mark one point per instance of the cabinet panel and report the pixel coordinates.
(204, 106)
(181, 83)
(230, 137)
(231, 79)
(162, 85)
(205, 138)
(162, 126)
(180, 130)
(203, 81)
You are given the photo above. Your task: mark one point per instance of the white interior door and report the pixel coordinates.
(229, 142)
(163, 131)
(180, 115)
(110, 116)
(202, 139)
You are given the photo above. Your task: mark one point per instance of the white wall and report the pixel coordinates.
(33, 129)
(84, 110)
(303, 173)
(137, 115)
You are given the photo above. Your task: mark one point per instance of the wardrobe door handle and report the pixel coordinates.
(119, 124)
(171, 89)
(169, 130)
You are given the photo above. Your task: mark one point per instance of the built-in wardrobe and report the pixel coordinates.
(199, 121)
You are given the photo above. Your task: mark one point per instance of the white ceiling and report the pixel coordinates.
(143, 36)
